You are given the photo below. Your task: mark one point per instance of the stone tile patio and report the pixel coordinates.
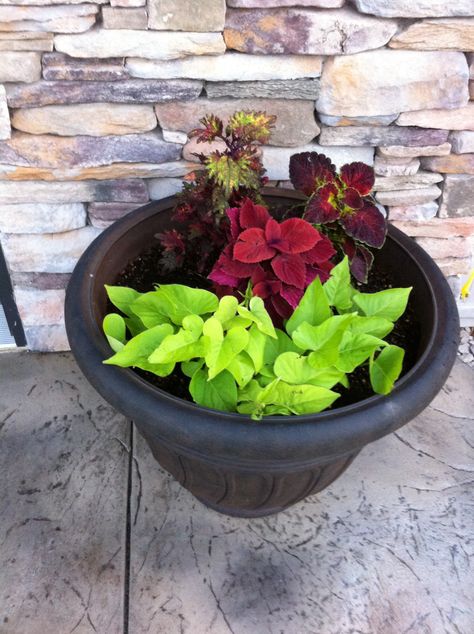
(95, 537)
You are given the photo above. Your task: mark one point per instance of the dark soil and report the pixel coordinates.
(143, 275)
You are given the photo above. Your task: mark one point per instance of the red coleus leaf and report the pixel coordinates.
(352, 198)
(322, 271)
(299, 235)
(322, 207)
(291, 294)
(273, 235)
(252, 215)
(290, 269)
(281, 309)
(222, 278)
(360, 259)
(172, 240)
(266, 288)
(367, 225)
(322, 251)
(359, 176)
(252, 246)
(310, 170)
(233, 214)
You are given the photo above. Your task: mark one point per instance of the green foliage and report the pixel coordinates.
(238, 361)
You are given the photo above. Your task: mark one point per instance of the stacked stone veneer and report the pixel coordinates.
(97, 99)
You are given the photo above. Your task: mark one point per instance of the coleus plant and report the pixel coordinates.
(279, 259)
(340, 205)
(228, 175)
(238, 361)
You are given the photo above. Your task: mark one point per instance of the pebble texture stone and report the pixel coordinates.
(19, 66)
(415, 8)
(295, 124)
(277, 89)
(5, 130)
(295, 30)
(228, 67)
(400, 151)
(40, 308)
(131, 190)
(455, 119)
(378, 120)
(386, 81)
(149, 44)
(414, 212)
(462, 142)
(276, 159)
(93, 119)
(57, 66)
(186, 15)
(375, 135)
(419, 180)
(433, 35)
(41, 217)
(57, 19)
(63, 464)
(116, 18)
(85, 151)
(372, 553)
(47, 252)
(384, 167)
(457, 196)
(408, 196)
(45, 93)
(26, 41)
(451, 164)
(41, 281)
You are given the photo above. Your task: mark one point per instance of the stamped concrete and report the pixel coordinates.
(386, 549)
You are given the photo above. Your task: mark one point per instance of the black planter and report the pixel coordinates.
(229, 462)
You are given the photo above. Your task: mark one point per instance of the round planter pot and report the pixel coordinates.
(233, 464)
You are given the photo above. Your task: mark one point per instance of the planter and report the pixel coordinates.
(230, 463)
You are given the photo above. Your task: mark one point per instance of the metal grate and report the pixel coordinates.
(6, 339)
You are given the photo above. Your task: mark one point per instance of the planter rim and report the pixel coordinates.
(188, 425)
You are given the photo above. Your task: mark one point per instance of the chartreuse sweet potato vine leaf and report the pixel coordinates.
(236, 359)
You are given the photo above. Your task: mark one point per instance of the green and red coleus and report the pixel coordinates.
(340, 205)
(280, 259)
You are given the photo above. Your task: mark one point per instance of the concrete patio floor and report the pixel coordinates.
(95, 537)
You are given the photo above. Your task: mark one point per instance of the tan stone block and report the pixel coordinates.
(93, 119)
(127, 3)
(40, 308)
(454, 119)
(395, 183)
(26, 41)
(400, 151)
(135, 43)
(129, 190)
(228, 67)
(57, 19)
(439, 228)
(384, 167)
(41, 217)
(455, 34)
(186, 15)
(415, 8)
(266, 4)
(101, 173)
(295, 124)
(48, 253)
(452, 164)
(5, 129)
(19, 66)
(299, 30)
(455, 266)
(408, 196)
(412, 212)
(442, 248)
(387, 81)
(116, 18)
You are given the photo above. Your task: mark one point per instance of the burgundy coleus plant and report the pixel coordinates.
(280, 259)
(339, 204)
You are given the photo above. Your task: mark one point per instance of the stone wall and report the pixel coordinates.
(96, 101)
